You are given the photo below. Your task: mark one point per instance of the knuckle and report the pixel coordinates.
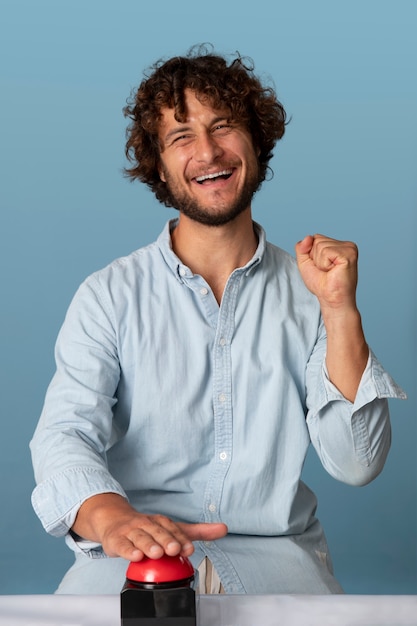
(147, 521)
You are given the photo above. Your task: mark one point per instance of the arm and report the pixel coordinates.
(75, 489)
(348, 414)
(329, 270)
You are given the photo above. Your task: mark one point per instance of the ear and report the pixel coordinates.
(162, 176)
(161, 173)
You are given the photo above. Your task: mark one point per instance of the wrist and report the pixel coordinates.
(94, 514)
(340, 317)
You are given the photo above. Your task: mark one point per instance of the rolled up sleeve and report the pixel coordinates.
(70, 444)
(352, 440)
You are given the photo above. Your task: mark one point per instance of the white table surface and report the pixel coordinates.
(280, 610)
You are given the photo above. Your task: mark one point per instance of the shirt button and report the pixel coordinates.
(212, 508)
(222, 397)
(222, 341)
(204, 291)
(182, 271)
(223, 456)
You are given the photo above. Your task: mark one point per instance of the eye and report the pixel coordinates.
(180, 140)
(222, 128)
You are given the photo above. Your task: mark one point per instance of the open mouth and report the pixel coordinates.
(223, 175)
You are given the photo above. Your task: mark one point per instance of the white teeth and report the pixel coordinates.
(200, 179)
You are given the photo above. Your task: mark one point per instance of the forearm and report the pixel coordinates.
(347, 351)
(329, 270)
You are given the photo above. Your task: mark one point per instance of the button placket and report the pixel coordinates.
(222, 399)
(206, 299)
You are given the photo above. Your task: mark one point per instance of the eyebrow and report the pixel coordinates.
(185, 127)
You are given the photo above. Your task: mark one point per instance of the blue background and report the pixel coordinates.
(346, 73)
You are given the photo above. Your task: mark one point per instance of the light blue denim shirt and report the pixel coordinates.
(204, 412)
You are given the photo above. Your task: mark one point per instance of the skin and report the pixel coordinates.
(329, 269)
(193, 153)
(214, 236)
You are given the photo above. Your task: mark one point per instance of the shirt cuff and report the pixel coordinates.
(375, 383)
(56, 500)
(91, 549)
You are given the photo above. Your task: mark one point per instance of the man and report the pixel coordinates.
(192, 374)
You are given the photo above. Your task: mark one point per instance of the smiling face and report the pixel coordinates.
(208, 163)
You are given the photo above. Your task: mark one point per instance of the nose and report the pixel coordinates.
(206, 148)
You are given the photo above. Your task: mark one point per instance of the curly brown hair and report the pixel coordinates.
(215, 80)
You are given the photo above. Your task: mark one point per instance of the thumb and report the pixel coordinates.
(303, 248)
(204, 531)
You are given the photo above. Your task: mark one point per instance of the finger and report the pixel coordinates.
(205, 531)
(147, 535)
(160, 531)
(122, 547)
(157, 535)
(139, 544)
(189, 533)
(329, 252)
(149, 545)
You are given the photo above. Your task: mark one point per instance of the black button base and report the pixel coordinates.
(156, 606)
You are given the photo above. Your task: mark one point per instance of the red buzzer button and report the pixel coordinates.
(163, 570)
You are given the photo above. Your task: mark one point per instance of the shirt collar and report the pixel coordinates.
(181, 270)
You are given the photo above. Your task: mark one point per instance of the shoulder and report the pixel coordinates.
(119, 283)
(127, 268)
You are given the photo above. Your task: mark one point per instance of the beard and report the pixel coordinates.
(207, 215)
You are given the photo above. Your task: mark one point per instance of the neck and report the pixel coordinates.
(214, 252)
